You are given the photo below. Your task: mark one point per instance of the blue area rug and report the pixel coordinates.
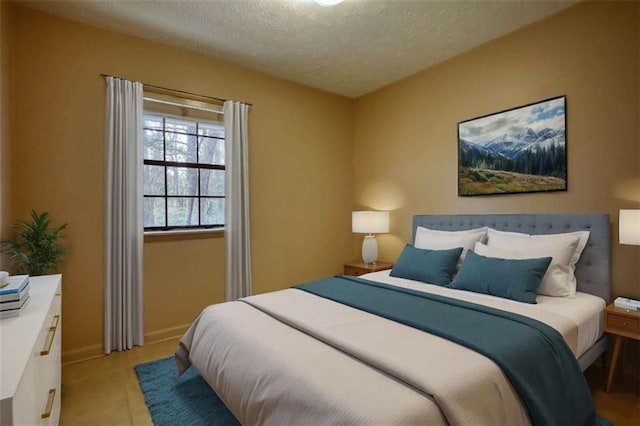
(188, 400)
(601, 421)
(185, 400)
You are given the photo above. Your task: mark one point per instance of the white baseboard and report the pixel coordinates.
(82, 354)
(97, 351)
(166, 334)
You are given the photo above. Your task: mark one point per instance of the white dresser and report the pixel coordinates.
(30, 354)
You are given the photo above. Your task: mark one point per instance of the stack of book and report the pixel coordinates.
(14, 296)
(626, 303)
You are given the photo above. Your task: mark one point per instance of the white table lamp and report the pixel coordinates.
(370, 222)
(629, 230)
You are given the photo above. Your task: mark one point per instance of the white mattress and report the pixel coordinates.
(585, 310)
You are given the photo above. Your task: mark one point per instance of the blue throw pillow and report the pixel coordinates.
(429, 266)
(516, 279)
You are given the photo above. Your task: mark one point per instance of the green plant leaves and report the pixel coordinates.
(36, 250)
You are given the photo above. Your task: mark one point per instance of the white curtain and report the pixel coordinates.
(237, 238)
(123, 313)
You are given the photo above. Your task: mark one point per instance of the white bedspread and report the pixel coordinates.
(290, 357)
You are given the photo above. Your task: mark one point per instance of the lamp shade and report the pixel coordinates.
(370, 222)
(629, 231)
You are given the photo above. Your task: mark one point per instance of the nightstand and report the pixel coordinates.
(620, 323)
(360, 268)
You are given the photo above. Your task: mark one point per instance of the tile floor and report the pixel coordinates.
(105, 391)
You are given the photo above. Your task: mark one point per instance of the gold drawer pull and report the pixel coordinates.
(50, 336)
(47, 412)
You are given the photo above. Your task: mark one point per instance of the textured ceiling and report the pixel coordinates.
(350, 49)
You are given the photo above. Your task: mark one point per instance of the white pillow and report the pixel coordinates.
(443, 240)
(565, 250)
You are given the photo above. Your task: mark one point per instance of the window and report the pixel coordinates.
(183, 173)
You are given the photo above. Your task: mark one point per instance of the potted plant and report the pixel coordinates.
(36, 250)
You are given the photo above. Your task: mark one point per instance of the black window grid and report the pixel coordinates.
(197, 166)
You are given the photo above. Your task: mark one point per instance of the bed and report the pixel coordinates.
(292, 357)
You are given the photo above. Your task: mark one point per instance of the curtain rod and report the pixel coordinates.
(176, 91)
(159, 101)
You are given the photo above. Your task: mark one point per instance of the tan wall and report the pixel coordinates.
(5, 175)
(405, 135)
(300, 170)
(306, 175)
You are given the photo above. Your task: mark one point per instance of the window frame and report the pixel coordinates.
(188, 165)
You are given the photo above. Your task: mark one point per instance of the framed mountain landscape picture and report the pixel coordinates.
(518, 150)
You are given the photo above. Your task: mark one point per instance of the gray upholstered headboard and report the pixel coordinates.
(593, 271)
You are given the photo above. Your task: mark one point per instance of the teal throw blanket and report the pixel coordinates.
(532, 355)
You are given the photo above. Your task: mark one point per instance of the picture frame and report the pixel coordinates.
(518, 150)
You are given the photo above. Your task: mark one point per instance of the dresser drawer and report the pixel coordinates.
(39, 387)
(36, 396)
(48, 384)
(25, 400)
(622, 323)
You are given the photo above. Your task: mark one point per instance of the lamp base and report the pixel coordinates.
(369, 249)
